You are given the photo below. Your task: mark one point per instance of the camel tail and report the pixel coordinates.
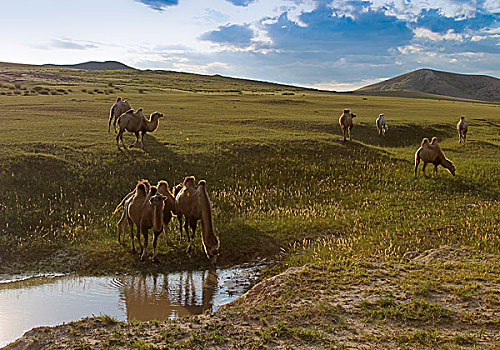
(119, 206)
(424, 141)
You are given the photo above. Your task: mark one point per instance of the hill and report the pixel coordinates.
(476, 87)
(94, 65)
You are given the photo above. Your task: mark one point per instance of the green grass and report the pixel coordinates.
(279, 177)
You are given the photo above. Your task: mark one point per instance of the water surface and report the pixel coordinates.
(49, 301)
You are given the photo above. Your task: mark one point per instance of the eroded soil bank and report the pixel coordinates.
(441, 298)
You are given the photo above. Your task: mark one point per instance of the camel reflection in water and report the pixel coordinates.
(168, 296)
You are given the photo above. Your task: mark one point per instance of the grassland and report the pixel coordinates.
(282, 183)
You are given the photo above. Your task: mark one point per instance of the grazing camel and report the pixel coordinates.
(120, 107)
(137, 123)
(193, 203)
(381, 125)
(432, 153)
(146, 211)
(462, 128)
(345, 122)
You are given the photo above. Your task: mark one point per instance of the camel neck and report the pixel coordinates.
(157, 218)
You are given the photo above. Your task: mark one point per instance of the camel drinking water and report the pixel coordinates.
(462, 128)
(118, 108)
(137, 122)
(432, 153)
(345, 122)
(193, 204)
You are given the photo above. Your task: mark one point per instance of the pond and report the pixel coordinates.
(52, 300)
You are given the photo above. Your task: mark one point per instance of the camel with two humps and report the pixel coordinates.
(118, 108)
(431, 152)
(192, 203)
(137, 123)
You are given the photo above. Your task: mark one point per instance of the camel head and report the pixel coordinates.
(353, 115)
(347, 111)
(212, 252)
(156, 115)
(451, 168)
(462, 117)
(157, 200)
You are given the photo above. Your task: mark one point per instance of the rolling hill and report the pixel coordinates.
(476, 87)
(94, 65)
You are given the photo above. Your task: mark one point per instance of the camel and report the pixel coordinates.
(193, 204)
(345, 122)
(145, 210)
(163, 189)
(381, 125)
(462, 128)
(137, 123)
(125, 218)
(432, 153)
(119, 107)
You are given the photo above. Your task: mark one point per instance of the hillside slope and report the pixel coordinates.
(477, 87)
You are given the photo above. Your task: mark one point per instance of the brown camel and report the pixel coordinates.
(169, 206)
(432, 153)
(345, 122)
(119, 107)
(193, 203)
(146, 211)
(137, 123)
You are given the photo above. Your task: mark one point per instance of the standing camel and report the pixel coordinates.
(381, 125)
(137, 123)
(193, 203)
(462, 128)
(146, 212)
(432, 153)
(345, 122)
(119, 107)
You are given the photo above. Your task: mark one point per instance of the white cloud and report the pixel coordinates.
(424, 33)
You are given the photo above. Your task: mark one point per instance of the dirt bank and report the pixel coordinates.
(442, 298)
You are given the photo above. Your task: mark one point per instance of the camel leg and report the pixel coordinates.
(156, 234)
(109, 124)
(186, 228)
(120, 136)
(417, 162)
(343, 132)
(435, 171)
(118, 140)
(142, 139)
(423, 169)
(166, 221)
(179, 219)
(349, 129)
(145, 235)
(114, 123)
(131, 227)
(138, 236)
(136, 140)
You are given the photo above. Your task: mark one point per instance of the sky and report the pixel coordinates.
(335, 45)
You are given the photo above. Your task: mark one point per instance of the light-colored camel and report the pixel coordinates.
(462, 128)
(381, 125)
(124, 219)
(193, 204)
(345, 122)
(432, 153)
(137, 123)
(118, 108)
(146, 212)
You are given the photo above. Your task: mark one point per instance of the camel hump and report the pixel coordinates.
(163, 183)
(141, 189)
(153, 190)
(347, 111)
(425, 141)
(434, 140)
(202, 183)
(118, 99)
(188, 179)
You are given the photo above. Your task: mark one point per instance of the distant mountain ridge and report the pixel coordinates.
(476, 87)
(94, 65)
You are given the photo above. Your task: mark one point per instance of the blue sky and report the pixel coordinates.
(339, 45)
